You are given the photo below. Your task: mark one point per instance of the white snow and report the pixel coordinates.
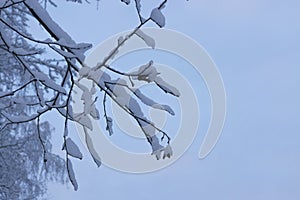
(166, 87)
(63, 53)
(92, 150)
(43, 78)
(73, 149)
(149, 102)
(158, 17)
(126, 1)
(147, 39)
(53, 28)
(109, 125)
(84, 120)
(72, 174)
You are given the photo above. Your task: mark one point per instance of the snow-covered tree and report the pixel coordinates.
(32, 84)
(26, 161)
(23, 171)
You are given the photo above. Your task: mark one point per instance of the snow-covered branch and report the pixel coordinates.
(47, 84)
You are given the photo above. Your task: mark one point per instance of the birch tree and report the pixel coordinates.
(26, 161)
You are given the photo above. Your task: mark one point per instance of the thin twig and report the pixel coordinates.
(105, 114)
(115, 50)
(41, 140)
(138, 11)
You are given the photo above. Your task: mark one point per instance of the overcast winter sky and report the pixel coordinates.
(256, 46)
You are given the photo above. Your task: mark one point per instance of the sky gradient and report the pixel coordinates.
(255, 45)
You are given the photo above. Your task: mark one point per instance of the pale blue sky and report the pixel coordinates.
(256, 47)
